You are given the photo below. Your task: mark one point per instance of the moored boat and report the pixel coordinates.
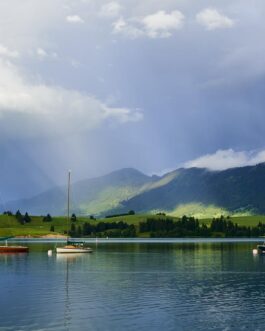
(72, 246)
(261, 248)
(73, 249)
(13, 249)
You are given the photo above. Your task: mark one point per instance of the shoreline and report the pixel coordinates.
(46, 236)
(45, 239)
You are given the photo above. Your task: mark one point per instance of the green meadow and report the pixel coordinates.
(9, 226)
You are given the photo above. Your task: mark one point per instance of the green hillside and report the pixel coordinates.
(194, 192)
(9, 226)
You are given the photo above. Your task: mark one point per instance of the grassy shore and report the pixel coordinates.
(9, 226)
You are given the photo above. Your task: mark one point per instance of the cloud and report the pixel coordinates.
(211, 19)
(111, 9)
(6, 52)
(157, 25)
(162, 24)
(126, 29)
(75, 19)
(225, 159)
(32, 109)
(42, 54)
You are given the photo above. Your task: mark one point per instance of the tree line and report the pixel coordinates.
(103, 229)
(156, 227)
(191, 227)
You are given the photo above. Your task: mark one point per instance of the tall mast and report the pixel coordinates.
(68, 202)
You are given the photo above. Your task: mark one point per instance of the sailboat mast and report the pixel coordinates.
(68, 202)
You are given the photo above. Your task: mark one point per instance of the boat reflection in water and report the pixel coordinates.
(68, 261)
(69, 257)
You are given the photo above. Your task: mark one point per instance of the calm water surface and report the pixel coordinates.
(134, 286)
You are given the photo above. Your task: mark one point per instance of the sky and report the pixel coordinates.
(94, 86)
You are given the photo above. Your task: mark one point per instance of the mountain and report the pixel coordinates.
(191, 191)
(91, 196)
(234, 190)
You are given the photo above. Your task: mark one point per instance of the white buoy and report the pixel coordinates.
(49, 252)
(255, 251)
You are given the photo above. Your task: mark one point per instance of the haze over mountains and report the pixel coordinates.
(191, 191)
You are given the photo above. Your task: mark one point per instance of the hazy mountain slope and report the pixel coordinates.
(91, 196)
(233, 190)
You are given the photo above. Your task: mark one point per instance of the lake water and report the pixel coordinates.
(135, 286)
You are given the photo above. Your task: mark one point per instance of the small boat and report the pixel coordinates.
(72, 246)
(12, 248)
(261, 248)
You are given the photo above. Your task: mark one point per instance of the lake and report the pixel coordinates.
(139, 285)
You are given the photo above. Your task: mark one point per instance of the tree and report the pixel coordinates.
(18, 214)
(52, 228)
(8, 213)
(19, 217)
(47, 218)
(79, 231)
(73, 218)
(72, 232)
(27, 218)
(131, 212)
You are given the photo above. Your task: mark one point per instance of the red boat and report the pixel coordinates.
(13, 249)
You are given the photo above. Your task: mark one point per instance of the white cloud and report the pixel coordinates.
(225, 159)
(157, 25)
(76, 19)
(6, 52)
(111, 9)
(42, 54)
(211, 19)
(162, 24)
(126, 29)
(38, 109)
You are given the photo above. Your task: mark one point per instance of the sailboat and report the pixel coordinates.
(72, 246)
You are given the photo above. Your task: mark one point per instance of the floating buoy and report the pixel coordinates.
(49, 252)
(255, 251)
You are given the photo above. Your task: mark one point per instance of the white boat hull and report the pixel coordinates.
(73, 250)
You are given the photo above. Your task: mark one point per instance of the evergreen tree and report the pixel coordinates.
(47, 218)
(27, 218)
(73, 218)
(73, 230)
(79, 231)
(19, 217)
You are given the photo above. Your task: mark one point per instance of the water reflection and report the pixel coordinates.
(136, 286)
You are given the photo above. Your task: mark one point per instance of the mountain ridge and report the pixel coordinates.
(232, 190)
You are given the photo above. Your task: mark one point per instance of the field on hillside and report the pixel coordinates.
(241, 220)
(9, 226)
